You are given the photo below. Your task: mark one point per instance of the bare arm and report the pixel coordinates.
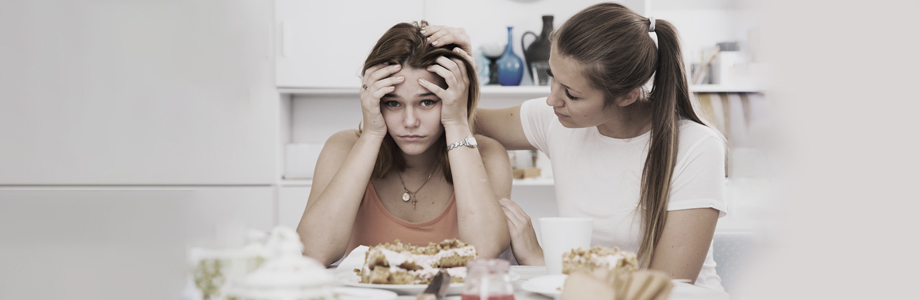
(342, 173)
(503, 125)
(684, 242)
(480, 176)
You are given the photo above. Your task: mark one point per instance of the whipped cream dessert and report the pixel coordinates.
(285, 275)
(212, 269)
(400, 263)
(599, 257)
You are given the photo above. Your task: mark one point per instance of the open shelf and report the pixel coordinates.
(533, 182)
(307, 182)
(524, 91)
(720, 88)
(487, 90)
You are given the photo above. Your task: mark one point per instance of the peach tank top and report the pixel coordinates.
(374, 224)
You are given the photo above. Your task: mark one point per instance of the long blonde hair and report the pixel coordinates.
(613, 44)
(405, 44)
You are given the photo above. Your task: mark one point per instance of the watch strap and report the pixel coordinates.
(464, 142)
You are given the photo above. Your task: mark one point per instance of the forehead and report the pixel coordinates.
(410, 88)
(567, 71)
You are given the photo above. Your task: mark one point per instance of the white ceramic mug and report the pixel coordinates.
(559, 235)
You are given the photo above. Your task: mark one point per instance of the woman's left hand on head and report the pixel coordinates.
(454, 99)
(439, 36)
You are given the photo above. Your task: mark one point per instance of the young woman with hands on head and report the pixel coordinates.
(413, 171)
(641, 163)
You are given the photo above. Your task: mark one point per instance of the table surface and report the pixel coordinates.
(681, 291)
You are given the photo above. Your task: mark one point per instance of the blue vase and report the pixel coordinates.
(510, 66)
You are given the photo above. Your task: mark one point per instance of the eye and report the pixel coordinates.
(549, 73)
(391, 104)
(428, 102)
(570, 95)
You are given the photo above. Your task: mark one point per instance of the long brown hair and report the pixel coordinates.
(618, 55)
(404, 44)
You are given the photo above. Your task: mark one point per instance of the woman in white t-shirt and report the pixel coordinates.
(641, 163)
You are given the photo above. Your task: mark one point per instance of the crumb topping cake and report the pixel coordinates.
(599, 257)
(402, 263)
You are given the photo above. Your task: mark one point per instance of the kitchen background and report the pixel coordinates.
(134, 130)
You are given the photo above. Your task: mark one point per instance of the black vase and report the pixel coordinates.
(539, 48)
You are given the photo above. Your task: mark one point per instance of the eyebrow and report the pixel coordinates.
(422, 95)
(550, 70)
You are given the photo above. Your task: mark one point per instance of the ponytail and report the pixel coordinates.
(669, 95)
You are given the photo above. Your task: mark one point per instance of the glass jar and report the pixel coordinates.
(488, 279)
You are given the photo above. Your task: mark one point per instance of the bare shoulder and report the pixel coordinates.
(343, 139)
(338, 146)
(334, 153)
(489, 147)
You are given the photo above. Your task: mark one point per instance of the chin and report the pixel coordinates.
(412, 150)
(568, 124)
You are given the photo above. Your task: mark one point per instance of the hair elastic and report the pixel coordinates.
(651, 25)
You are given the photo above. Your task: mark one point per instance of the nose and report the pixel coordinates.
(410, 119)
(554, 99)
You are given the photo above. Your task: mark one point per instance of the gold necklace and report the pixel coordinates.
(411, 195)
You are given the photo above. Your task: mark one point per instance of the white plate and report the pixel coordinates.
(350, 293)
(351, 279)
(551, 285)
(547, 285)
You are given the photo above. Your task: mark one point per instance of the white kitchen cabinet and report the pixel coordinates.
(323, 44)
(292, 200)
(105, 243)
(137, 93)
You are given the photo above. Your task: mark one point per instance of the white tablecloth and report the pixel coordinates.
(681, 291)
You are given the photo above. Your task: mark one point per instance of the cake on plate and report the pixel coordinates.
(609, 284)
(599, 257)
(402, 263)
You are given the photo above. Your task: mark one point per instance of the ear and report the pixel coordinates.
(629, 98)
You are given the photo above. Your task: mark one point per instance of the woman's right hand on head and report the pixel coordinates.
(376, 83)
(524, 245)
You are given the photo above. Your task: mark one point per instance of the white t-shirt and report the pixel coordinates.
(599, 177)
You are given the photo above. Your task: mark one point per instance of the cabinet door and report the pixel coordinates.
(323, 44)
(108, 243)
(292, 201)
(137, 92)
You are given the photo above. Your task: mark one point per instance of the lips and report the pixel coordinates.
(560, 115)
(411, 138)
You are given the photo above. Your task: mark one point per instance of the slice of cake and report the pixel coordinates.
(400, 263)
(599, 257)
(609, 284)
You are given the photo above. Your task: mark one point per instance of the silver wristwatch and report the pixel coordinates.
(468, 141)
